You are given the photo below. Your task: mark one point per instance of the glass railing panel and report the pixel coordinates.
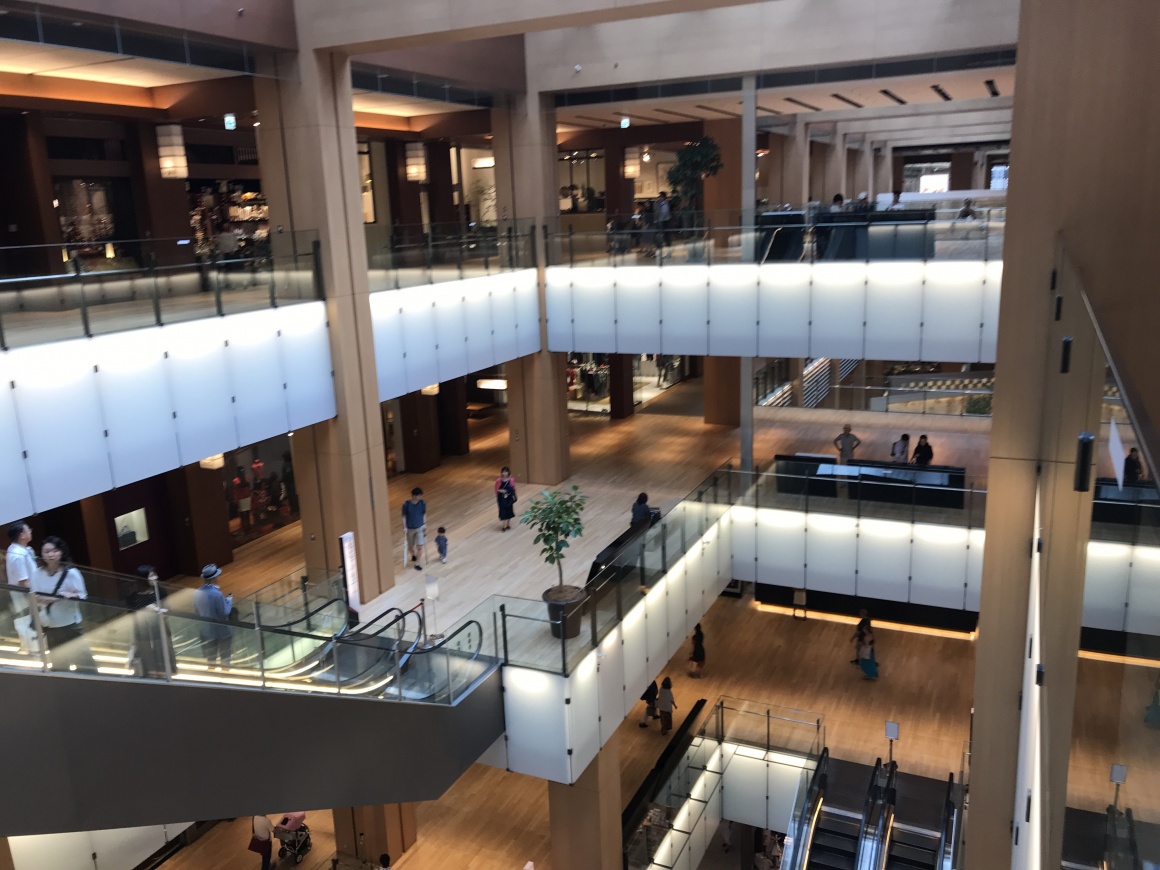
(529, 638)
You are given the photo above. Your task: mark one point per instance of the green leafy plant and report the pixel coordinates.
(978, 404)
(555, 517)
(696, 161)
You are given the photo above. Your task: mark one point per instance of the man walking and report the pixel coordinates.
(415, 524)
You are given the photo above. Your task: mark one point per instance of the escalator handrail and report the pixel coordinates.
(1133, 844)
(871, 799)
(402, 617)
(950, 813)
(384, 651)
(815, 796)
(885, 818)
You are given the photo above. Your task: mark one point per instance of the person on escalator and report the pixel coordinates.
(217, 635)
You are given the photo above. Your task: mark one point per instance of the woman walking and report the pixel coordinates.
(867, 659)
(697, 658)
(505, 497)
(60, 587)
(665, 705)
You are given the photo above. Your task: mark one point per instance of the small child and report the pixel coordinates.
(441, 544)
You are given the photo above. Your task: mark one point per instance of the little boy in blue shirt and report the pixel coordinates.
(441, 544)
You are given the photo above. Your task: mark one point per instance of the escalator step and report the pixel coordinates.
(839, 825)
(908, 857)
(827, 861)
(918, 840)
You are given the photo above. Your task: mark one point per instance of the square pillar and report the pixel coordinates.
(365, 833)
(621, 386)
(722, 389)
(585, 817)
(795, 169)
(538, 418)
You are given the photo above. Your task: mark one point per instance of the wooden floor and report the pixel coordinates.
(493, 819)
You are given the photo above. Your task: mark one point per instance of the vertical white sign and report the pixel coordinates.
(350, 569)
(1116, 449)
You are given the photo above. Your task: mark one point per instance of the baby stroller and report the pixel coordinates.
(294, 835)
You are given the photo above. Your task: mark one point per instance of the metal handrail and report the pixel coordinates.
(808, 822)
(871, 797)
(950, 813)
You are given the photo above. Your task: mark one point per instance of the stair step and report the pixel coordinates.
(914, 838)
(839, 824)
(903, 857)
(830, 861)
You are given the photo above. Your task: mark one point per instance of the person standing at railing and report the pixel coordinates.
(20, 563)
(900, 450)
(60, 586)
(846, 443)
(217, 635)
(923, 452)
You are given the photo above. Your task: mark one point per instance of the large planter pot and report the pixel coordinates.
(565, 609)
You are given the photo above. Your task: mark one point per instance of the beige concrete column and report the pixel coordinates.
(310, 175)
(585, 816)
(884, 170)
(864, 174)
(837, 180)
(795, 169)
(367, 832)
(524, 145)
(723, 391)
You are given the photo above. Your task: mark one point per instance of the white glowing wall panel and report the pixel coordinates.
(744, 789)
(744, 549)
(421, 365)
(527, 299)
(304, 347)
(783, 787)
(636, 670)
(72, 851)
(451, 335)
(638, 310)
(537, 723)
(478, 325)
(503, 320)
(387, 326)
(583, 715)
(134, 395)
(593, 310)
(256, 375)
(1144, 591)
(837, 310)
(684, 310)
(781, 547)
(952, 311)
(975, 546)
(894, 310)
(60, 417)
(613, 689)
(201, 389)
(883, 559)
(657, 626)
(676, 587)
(558, 304)
(126, 847)
(831, 553)
(1105, 587)
(733, 310)
(939, 566)
(991, 290)
(15, 494)
(784, 307)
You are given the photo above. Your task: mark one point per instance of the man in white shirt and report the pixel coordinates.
(900, 450)
(20, 563)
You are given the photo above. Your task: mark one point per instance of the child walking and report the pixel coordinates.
(441, 544)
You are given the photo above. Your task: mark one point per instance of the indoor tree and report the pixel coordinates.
(696, 161)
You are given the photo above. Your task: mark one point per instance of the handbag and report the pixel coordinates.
(257, 844)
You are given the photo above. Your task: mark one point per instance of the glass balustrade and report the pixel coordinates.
(416, 255)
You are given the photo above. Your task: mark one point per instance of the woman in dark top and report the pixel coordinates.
(505, 497)
(641, 512)
(697, 658)
(1133, 468)
(923, 453)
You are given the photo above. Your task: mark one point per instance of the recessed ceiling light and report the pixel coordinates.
(76, 24)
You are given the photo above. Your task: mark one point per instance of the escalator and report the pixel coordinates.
(835, 842)
(917, 848)
(309, 710)
(832, 832)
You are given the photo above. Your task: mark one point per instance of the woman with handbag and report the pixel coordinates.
(505, 497)
(262, 840)
(60, 586)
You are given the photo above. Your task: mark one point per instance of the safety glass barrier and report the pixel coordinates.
(775, 237)
(436, 253)
(55, 293)
(302, 595)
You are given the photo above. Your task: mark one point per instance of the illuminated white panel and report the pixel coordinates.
(894, 310)
(831, 553)
(784, 310)
(536, 719)
(991, 294)
(657, 628)
(593, 310)
(612, 686)
(127, 847)
(199, 382)
(637, 673)
(527, 311)
(420, 365)
(71, 851)
(137, 408)
(745, 787)
(952, 311)
(558, 299)
(638, 309)
(677, 584)
(477, 296)
(15, 495)
(451, 331)
(1105, 585)
(781, 547)
(583, 715)
(733, 310)
(305, 349)
(784, 780)
(256, 375)
(685, 310)
(503, 318)
(1144, 591)
(939, 566)
(838, 310)
(744, 550)
(883, 559)
(387, 323)
(60, 420)
(976, 538)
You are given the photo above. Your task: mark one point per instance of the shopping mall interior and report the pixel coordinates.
(829, 536)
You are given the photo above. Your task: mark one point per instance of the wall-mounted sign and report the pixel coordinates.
(350, 569)
(231, 121)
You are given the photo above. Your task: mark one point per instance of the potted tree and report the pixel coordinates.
(555, 518)
(696, 161)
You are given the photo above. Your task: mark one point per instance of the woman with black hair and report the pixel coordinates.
(59, 586)
(641, 512)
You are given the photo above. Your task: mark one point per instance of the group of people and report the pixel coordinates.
(415, 519)
(847, 442)
(253, 493)
(659, 702)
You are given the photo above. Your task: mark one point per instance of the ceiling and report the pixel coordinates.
(402, 106)
(32, 58)
(866, 93)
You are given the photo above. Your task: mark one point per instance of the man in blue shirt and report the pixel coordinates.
(415, 523)
(217, 635)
